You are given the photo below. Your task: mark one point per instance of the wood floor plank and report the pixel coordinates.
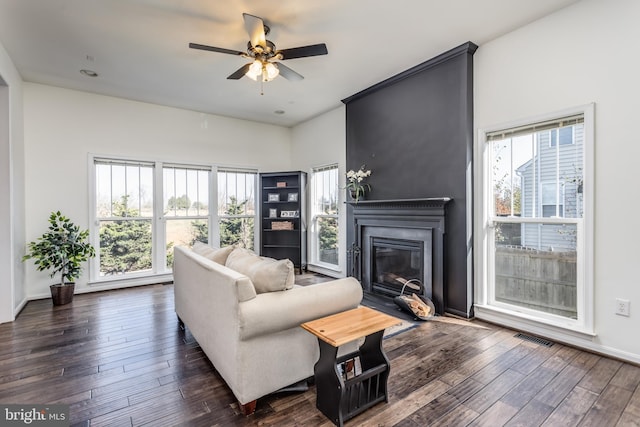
(532, 414)
(571, 411)
(490, 394)
(496, 415)
(627, 377)
(560, 386)
(528, 388)
(460, 416)
(599, 376)
(607, 410)
(119, 358)
(633, 407)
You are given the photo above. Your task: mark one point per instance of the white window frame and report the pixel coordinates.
(486, 307)
(314, 241)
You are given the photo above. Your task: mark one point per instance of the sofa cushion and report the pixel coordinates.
(267, 274)
(218, 255)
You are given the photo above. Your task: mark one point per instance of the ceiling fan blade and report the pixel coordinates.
(240, 72)
(303, 51)
(216, 49)
(287, 72)
(255, 28)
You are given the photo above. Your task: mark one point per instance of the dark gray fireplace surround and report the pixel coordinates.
(414, 131)
(415, 226)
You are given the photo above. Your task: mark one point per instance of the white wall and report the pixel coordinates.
(62, 127)
(11, 190)
(584, 53)
(318, 142)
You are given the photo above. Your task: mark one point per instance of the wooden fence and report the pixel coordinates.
(541, 280)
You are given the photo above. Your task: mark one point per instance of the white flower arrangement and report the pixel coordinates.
(355, 183)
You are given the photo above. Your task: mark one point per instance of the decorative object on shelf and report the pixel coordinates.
(273, 213)
(282, 225)
(292, 197)
(62, 249)
(355, 183)
(273, 197)
(289, 214)
(281, 184)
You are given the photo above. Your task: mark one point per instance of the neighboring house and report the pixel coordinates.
(551, 184)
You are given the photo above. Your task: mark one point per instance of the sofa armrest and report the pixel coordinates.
(278, 311)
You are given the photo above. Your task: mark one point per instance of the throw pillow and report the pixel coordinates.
(266, 274)
(218, 255)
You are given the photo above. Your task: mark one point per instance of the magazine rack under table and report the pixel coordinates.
(340, 398)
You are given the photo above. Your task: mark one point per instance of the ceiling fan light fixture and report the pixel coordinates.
(254, 70)
(263, 51)
(271, 71)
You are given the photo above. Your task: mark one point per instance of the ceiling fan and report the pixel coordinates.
(263, 53)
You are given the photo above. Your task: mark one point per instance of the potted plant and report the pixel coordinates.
(355, 183)
(62, 249)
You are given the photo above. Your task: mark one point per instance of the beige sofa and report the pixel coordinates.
(252, 335)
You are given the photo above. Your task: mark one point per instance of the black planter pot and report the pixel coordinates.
(62, 294)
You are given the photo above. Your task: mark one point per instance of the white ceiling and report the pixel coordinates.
(140, 47)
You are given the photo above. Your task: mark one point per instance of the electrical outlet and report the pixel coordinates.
(623, 307)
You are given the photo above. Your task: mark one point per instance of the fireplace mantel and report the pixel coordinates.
(430, 202)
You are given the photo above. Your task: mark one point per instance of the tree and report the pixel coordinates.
(199, 206)
(328, 240)
(236, 230)
(125, 245)
(200, 232)
(181, 202)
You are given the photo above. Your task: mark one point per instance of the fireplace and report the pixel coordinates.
(393, 263)
(399, 240)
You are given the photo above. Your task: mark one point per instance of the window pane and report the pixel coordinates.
(125, 246)
(532, 177)
(103, 191)
(328, 240)
(186, 192)
(508, 155)
(324, 236)
(542, 278)
(236, 207)
(236, 193)
(184, 232)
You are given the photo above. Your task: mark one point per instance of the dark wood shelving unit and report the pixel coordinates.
(283, 227)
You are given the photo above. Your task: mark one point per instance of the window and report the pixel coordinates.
(538, 234)
(552, 199)
(124, 212)
(143, 209)
(565, 134)
(236, 207)
(186, 207)
(324, 217)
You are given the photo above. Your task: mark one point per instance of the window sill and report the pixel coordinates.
(125, 282)
(326, 270)
(565, 333)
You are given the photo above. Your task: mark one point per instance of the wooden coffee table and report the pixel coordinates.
(338, 397)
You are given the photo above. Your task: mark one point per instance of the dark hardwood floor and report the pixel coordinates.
(118, 358)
